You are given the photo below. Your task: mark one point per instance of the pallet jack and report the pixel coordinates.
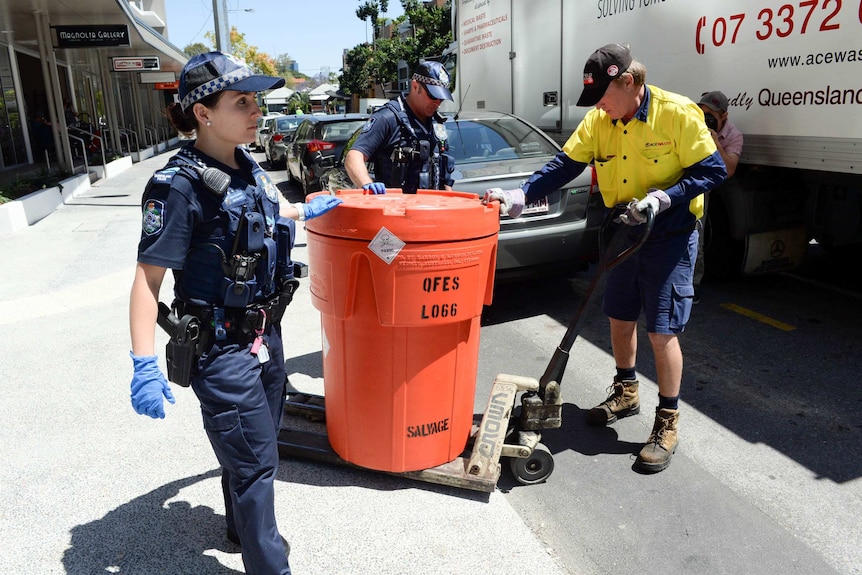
(504, 431)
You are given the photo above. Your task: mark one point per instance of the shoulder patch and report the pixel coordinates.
(165, 176)
(269, 189)
(154, 217)
(368, 124)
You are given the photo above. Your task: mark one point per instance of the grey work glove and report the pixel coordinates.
(636, 211)
(511, 201)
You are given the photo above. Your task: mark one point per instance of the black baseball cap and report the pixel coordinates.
(715, 101)
(602, 67)
(213, 72)
(435, 78)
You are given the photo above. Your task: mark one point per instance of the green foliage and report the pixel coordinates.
(260, 62)
(299, 102)
(367, 65)
(432, 29)
(196, 48)
(370, 11)
(20, 184)
(357, 76)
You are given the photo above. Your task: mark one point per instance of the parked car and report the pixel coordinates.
(496, 150)
(258, 141)
(278, 135)
(317, 142)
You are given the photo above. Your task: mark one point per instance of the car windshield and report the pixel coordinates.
(481, 140)
(340, 130)
(284, 124)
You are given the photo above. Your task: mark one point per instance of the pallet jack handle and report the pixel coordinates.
(557, 365)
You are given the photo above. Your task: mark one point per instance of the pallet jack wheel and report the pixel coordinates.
(533, 469)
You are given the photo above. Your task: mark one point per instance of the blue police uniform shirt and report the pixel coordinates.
(382, 133)
(190, 229)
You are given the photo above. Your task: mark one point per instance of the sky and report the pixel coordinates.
(314, 33)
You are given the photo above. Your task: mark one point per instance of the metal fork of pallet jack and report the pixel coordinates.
(478, 468)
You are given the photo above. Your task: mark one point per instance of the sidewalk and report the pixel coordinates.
(89, 486)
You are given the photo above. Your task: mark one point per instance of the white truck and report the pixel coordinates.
(792, 71)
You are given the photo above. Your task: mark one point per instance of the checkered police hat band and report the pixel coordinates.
(216, 85)
(432, 81)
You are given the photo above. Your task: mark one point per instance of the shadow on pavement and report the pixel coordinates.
(150, 535)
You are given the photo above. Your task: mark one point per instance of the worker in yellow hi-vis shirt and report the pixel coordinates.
(651, 150)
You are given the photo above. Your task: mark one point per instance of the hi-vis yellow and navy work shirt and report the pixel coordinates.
(666, 145)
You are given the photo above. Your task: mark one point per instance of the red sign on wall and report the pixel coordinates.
(132, 64)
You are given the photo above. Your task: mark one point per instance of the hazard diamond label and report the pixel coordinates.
(386, 245)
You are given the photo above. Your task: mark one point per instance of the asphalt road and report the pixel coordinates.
(766, 478)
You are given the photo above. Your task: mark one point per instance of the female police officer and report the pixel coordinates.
(212, 216)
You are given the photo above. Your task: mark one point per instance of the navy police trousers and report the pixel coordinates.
(242, 402)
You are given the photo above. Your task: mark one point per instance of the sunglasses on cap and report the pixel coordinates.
(428, 92)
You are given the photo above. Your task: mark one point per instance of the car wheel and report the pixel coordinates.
(303, 180)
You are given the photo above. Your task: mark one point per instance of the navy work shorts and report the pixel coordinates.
(656, 279)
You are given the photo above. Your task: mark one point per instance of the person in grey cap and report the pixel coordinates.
(213, 217)
(728, 140)
(405, 139)
(652, 152)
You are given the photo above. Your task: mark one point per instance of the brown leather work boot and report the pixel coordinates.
(622, 402)
(662, 442)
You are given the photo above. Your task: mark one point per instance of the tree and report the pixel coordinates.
(431, 29)
(284, 64)
(367, 65)
(356, 76)
(371, 10)
(260, 62)
(299, 102)
(196, 48)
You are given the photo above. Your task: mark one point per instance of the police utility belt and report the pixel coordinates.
(192, 328)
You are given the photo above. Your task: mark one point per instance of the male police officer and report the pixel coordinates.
(406, 139)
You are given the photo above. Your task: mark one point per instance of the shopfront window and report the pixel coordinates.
(12, 147)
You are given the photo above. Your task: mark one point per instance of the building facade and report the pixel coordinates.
(81, 78)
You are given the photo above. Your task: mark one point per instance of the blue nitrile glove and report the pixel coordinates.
(636, 211)
(511, 201)
(374, 188)
(316, 207)
(148, 386)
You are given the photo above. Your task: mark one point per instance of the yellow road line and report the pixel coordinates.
(759, 317)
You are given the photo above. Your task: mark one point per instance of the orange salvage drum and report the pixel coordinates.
(400, 281)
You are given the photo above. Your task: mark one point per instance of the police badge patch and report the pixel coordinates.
(268, 187)
(368, 124)
(154, 217)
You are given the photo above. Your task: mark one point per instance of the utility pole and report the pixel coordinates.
(222, 30)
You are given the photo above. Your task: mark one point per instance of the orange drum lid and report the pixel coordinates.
(426, 216)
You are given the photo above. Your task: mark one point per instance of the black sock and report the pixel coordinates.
(668, 402)
(626, 374)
